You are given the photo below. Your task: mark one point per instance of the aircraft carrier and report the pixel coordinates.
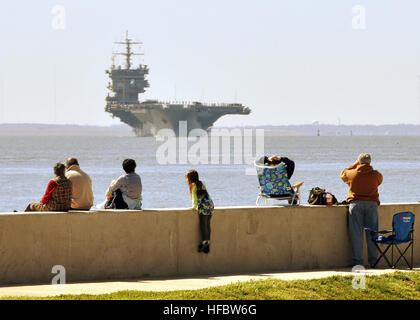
(149, 116)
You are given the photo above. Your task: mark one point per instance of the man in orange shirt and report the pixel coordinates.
(363, 198)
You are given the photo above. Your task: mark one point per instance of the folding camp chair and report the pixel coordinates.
(401, 233)
(275, 185)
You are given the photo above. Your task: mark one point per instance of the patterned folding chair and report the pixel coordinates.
(401, 233)
(275, 185)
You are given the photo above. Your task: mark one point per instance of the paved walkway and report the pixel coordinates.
(169, 284)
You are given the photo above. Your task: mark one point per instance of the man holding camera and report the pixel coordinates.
(363, 199)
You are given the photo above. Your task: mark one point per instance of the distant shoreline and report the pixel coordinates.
(122, 130)
(29, 129)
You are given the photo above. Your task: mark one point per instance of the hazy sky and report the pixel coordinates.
(291, 62)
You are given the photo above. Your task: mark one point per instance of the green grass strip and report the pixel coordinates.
(391, 286)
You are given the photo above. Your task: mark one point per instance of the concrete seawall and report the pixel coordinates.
(99, 245)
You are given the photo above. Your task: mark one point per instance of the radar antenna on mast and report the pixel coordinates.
(128, 42)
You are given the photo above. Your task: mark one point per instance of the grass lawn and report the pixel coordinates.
(398, 285)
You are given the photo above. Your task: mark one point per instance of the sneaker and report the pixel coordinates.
(200, 247)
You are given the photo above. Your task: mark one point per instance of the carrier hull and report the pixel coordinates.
(148, 119)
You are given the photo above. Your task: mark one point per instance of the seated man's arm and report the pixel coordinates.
(115, 185)
(290, 166)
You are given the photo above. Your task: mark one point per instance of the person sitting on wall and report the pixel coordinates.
(275, 160)
(125, 192)
(289, 165)
(57, 197)
(82, 195)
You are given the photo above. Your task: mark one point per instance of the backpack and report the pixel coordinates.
(116, 202)
(317, 196)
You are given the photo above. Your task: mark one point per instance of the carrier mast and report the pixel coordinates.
(127, 82)
(128, 42)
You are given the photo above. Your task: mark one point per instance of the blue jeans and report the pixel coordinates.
(363, 214)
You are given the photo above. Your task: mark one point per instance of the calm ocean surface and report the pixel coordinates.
(26, 167)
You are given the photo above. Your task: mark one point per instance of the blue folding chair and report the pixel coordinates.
(401, 233)
(274, 183)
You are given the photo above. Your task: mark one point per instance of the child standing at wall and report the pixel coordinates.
(201, 202)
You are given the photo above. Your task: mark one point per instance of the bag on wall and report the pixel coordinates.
(116, 202)
(318, 196)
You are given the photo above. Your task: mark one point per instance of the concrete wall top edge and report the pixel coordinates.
(155, 210)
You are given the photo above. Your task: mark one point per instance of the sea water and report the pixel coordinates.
(26, 166)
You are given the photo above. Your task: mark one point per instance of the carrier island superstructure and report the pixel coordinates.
(149, 116)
